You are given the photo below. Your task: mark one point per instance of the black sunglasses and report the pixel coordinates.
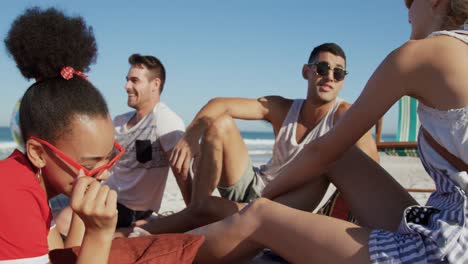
(323, 67)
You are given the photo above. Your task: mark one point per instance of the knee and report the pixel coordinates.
(198, 208)
(203, 209)
(256, 209)
(213, 208)
(252, 217)
(220, 128)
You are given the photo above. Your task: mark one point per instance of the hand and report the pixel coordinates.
(103, 176)
(182, 154)
(95, 204)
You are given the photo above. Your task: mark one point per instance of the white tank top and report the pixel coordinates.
(449, 128)
(286, 147)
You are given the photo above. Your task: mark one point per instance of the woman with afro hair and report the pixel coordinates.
(69, 142)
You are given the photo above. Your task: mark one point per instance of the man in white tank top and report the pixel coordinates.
(224, 162)
(222, 159)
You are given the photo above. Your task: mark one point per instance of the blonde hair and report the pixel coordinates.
(458, 13)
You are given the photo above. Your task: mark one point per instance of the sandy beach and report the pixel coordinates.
(408, 171)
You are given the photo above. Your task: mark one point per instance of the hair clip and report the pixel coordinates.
(67, 73)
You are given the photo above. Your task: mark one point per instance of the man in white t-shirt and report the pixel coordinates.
(148, 134)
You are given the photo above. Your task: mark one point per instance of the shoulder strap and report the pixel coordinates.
(452, 159)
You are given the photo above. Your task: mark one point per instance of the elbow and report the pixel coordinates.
(216, 100)
(213, 100)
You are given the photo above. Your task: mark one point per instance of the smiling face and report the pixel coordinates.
(89, 142)
(323, 89)
(142, 92)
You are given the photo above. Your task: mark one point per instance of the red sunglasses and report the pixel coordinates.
(91, 173)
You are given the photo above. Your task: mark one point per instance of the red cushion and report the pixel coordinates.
(337, 207)
(165, 248)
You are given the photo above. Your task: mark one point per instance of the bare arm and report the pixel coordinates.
(71, 224)
(76, 232)
(264, 108)
(366, 143)
(238, 108)
(184, 183)
(96, 206)
(54, 239)
(384, 88)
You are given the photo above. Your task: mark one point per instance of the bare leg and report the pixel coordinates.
(213, 209)
(297, 236)
(307, 197)
(210, 210)
(224, 158)
(376, 199)
(185, 187)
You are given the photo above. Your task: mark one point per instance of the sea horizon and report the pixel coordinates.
(259, 143)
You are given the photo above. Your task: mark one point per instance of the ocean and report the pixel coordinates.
(7, 145)
(259, 144)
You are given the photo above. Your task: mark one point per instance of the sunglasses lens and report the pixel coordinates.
(339, 74)
(322, 68)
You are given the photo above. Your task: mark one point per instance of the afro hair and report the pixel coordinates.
(42, 42)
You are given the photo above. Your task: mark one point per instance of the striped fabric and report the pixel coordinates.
(443, 240)
(408, 122)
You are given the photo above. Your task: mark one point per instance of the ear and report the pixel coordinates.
(441, 7)
(36, 153)
(435, 4)
(305, 71)
(156, 85)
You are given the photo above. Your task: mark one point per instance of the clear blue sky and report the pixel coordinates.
(245, 48)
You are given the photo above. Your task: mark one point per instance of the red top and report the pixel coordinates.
(25, 215)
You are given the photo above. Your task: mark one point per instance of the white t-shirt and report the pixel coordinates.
(140, 175)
